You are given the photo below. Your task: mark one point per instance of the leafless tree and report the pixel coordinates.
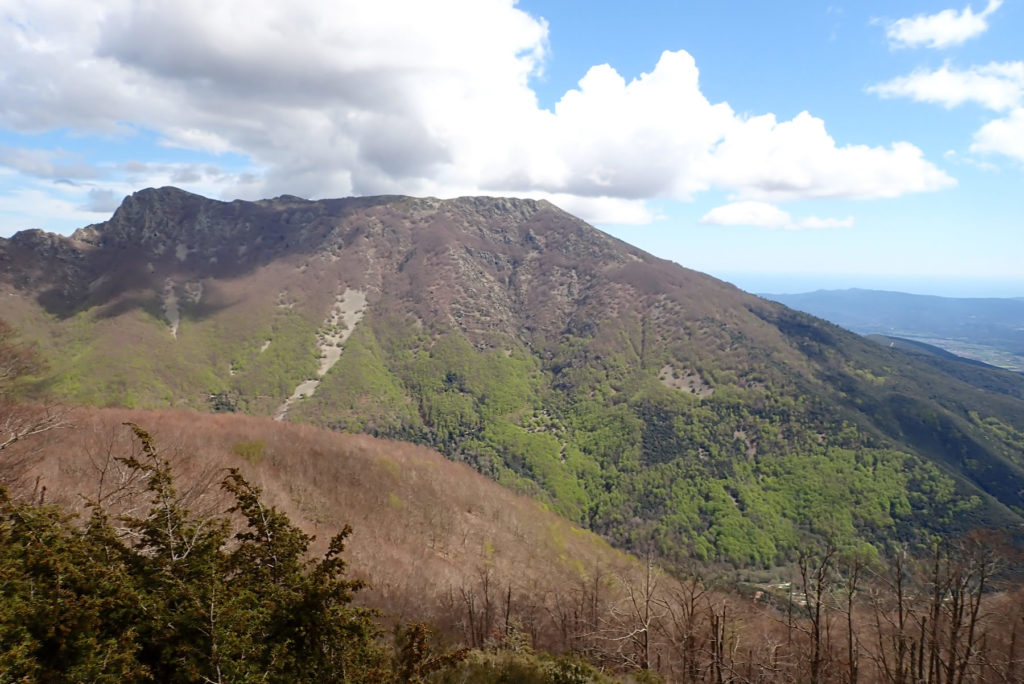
(630, 627)
(20, 418)
(816, 574)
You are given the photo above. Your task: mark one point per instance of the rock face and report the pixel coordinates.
(513, 245)
(651, 402)
(485, 265)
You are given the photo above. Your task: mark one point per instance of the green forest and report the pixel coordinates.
(739, 475)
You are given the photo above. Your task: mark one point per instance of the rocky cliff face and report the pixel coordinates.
(484, 265)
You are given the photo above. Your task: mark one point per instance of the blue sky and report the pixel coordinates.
(784, 147)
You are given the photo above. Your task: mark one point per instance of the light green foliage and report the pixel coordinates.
(538, 457)
(252, 451)
(736, 476)
(133, 360)
(265, 378)
(360, 393)
(523, 667)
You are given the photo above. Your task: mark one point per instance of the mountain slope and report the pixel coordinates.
(425, 530)
(655, 405)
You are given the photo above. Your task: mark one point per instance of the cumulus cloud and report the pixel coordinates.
(765, 215)
(605, 210)
(946, 29)
(338, 97)
(1002, 136)
(762, 158)
(998, 86)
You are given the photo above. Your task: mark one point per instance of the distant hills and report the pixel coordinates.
(663, 409)
(989, 330)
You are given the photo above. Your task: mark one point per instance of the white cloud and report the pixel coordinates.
(946, 29)
(71, 204)
(602, 210)
(765, 215)
(50, 164)
(101, 201)
(762, 158)
(759, 214)
(1002, 136)
(22, 208)
(953, 157)
(338, 97)
(998, 86)
(815, 222)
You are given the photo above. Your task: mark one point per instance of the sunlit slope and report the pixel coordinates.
(423, 527)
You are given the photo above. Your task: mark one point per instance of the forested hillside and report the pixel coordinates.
(188, 551)
(654, 405)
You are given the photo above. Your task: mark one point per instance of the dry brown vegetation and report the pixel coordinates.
(428, 532)
(437, 542)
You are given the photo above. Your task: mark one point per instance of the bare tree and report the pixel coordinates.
(631, 624)
(479, 606)
(850, 569)
(894, 622)
(19, 362)
(687, 625)
(816, 570)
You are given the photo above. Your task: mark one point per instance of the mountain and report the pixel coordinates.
(657, 406)
(989, 330)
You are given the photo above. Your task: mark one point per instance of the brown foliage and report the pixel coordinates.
(19, 421)
(425, 529)
(440, 544)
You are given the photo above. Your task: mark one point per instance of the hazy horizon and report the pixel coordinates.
(799, 283)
